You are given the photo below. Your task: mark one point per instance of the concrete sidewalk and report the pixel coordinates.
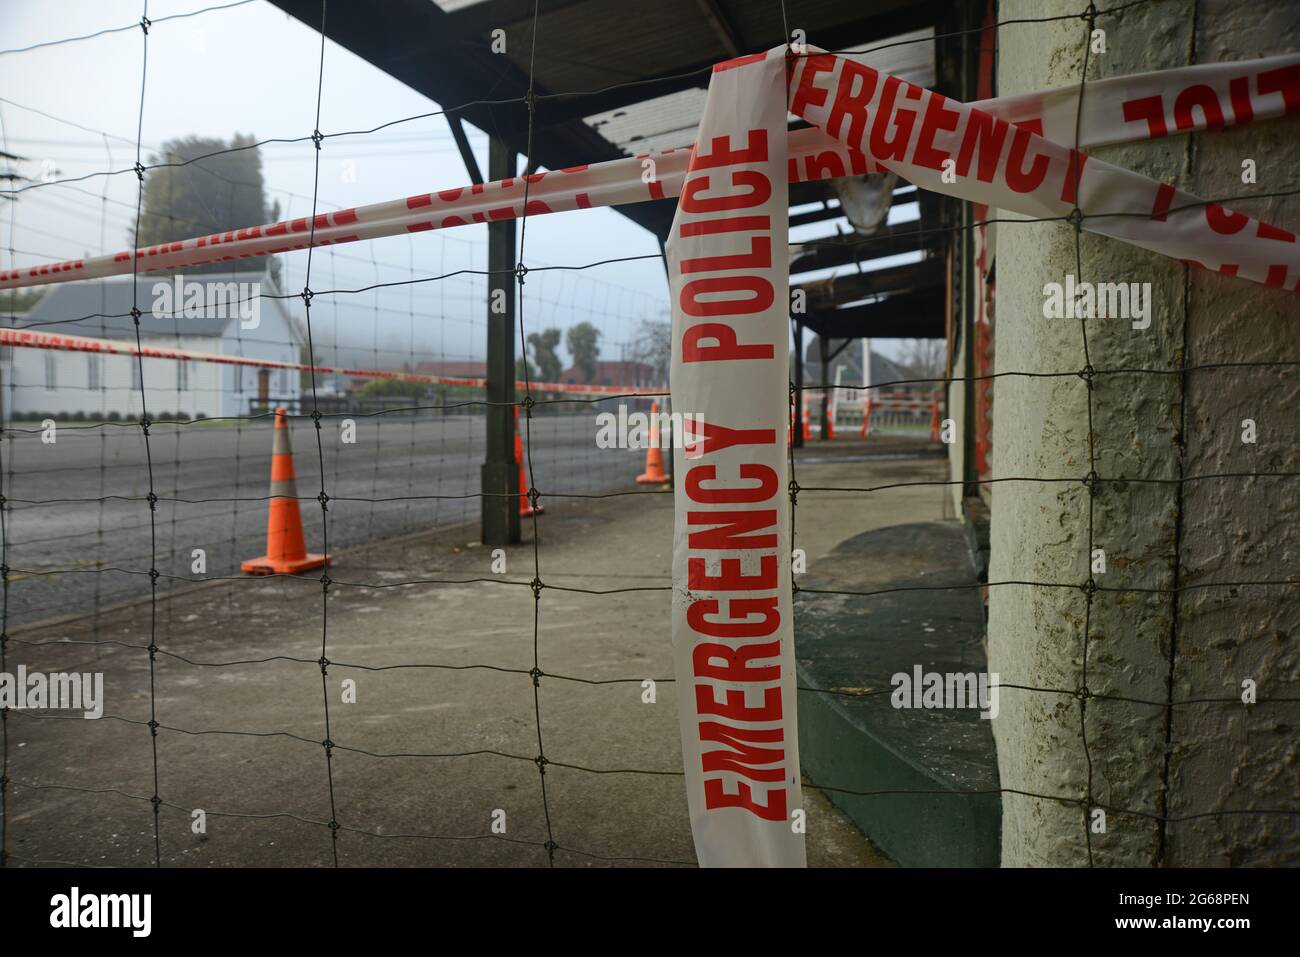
(444, 733)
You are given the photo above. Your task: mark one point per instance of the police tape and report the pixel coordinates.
(973, 153)
(996, 137)
(733, 635)
(27, 339)
(733, 641)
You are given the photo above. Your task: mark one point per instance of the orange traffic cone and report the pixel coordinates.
(934, 420)
(866, 421)
(526, 509)
(828, 422)
(654, 458)
(286, 552)
(807, 430)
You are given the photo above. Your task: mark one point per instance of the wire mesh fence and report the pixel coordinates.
(173, 453)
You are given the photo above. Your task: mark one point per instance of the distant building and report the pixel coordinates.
(213, 313)
(454, 368)
(850, 361)
(612, 373)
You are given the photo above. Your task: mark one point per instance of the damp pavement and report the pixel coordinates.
(80, 534)
(433, 713)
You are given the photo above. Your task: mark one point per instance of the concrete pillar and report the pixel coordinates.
(1237, 530)
(1157, 646)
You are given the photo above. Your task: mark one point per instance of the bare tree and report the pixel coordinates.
(653, 346)
(924, 359)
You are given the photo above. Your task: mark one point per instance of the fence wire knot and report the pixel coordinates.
(136, 314)
(327, 744)
(1091, 481)
(324, 500)
(317, 137)
(536, 675)
(324, 664)
(528, 402)
(139, 171)
(153, 727)
(521, 271)
(794, 491)
(1075, 219)
(152, 499)
(307, 295)
(541, 762)
(536, 585)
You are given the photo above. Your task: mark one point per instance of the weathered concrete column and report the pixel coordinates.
(1170, 532)
(1228, 756)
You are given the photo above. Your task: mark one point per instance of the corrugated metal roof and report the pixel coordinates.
(663, 123)
(666, 122)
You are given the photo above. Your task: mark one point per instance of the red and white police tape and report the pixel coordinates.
(26, 338)
(969, 152)
(870, 121)
(733, 640)
(732, 636)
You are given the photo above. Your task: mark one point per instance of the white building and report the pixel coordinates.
(206, 312)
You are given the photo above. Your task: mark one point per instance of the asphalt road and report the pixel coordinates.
(78, 533)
